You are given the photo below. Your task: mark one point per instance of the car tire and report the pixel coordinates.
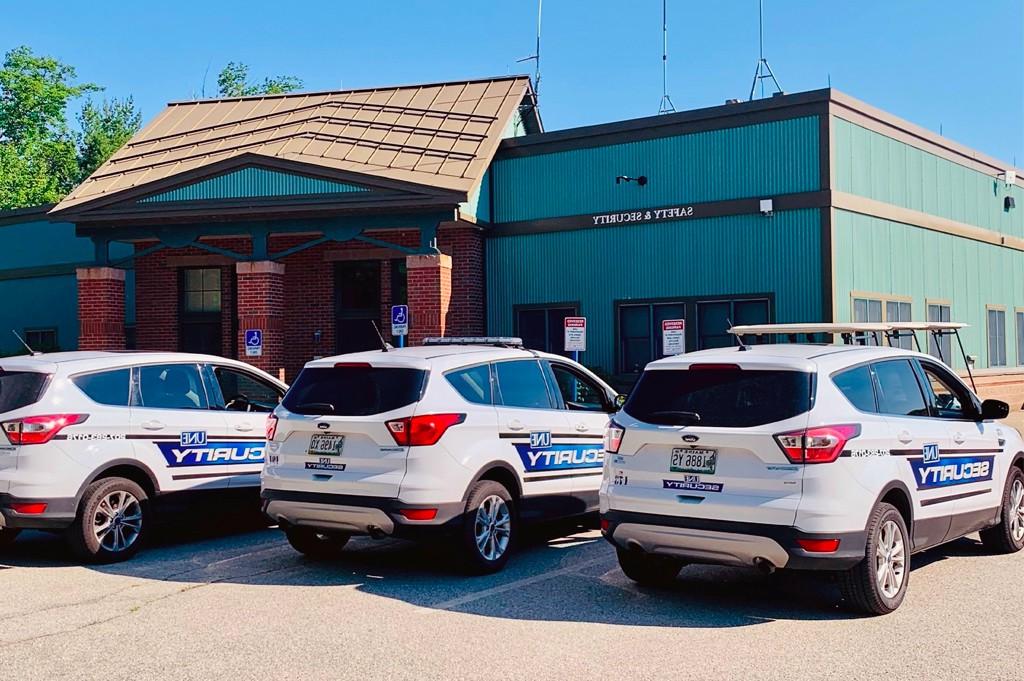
(7, 536)
(112, 520)
(648, 570)
(315, 544)
(489, 528)
(1008, 535)
(878, 583)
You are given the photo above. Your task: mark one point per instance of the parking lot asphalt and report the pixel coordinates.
(237, 602)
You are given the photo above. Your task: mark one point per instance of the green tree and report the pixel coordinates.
(104, 130)
(233, 81)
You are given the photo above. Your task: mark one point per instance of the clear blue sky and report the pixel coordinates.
(953, 63)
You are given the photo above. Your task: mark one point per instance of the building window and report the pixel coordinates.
(399, 282)
(943, 350)
(42, 340)
(201, 292)
(1020, 338)
(715, 317)
(867, 310)
(199, 312)
(996, 337)
(899, 311)
(640, 332)
(543, 328)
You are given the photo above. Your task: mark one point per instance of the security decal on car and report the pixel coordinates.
(951, 470)
(692, 483)
(555, 456)
(211, 453)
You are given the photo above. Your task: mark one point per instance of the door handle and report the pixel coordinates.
(244, 427)
(153, 425)
(515, 424)
(905, 436)
(581, 427)
(959, 438)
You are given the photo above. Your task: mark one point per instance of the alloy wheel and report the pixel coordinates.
(493, 527)
(117, 522)
(1017, 510)
(890, 559)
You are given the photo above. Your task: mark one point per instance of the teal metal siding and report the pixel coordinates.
(253, 183)
(765, 159)
(869, 164)
(743, 254)
(479, 203)
(874, 256)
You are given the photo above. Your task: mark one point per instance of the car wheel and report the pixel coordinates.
(111, 523)
(7, 536)
(646, 569)
(878, 584)
(489, 526)
(1008, 535)
(315, 544)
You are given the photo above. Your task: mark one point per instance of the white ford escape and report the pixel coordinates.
(469, 437)
(807, 457)
(87, 439)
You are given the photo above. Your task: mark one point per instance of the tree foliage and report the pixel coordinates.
(233, 81)
(104, 130)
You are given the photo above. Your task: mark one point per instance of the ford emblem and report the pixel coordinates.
(690, 438)
(323, 426)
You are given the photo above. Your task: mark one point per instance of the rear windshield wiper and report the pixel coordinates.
(675, 417)
(315, 408)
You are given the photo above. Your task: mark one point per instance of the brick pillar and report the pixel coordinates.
(430, 295)
(100, 308)
(260, 306)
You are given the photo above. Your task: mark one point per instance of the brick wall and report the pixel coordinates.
(261, 305)
(100, 308)
(465, 244)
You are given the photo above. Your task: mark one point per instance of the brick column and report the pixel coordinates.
(260, 306)
(430, 295)
(100, 308)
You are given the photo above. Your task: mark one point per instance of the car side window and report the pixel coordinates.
(521, 384)
(856, 385)
(106, 387)
(241, 391)
(949, 400)
(473, 383)
(579, 392)
(899, 392)
(170, 386)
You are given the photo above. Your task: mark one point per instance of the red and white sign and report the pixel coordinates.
(673, 337)
(575, 334)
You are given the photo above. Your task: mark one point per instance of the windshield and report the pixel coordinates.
(720, 397)
(20, 388)
(353, 391)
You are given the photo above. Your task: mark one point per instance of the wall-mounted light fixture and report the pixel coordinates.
(767, 208)
(641, 180)
(1009, 203)
(1008, 177)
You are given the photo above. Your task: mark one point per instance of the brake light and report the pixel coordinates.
(37, 430)
(714, 367)
(423, 430)
(418, 513)
(613, 437)
(352, 365)
(29, 508)
(822, 444)
(271, 427)
(818, 545)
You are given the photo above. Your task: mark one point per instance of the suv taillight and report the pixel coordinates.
(271, 427)
(37, 430)
(613, 437)
(422, 430)
(821, 444)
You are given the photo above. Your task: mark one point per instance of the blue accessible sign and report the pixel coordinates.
(399, 320)
(254, 342)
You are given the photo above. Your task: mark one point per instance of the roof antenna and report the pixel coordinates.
(27, 346)
(738, 337)
(666, 105)
(763, 70)
(535, 57)
(384, 347)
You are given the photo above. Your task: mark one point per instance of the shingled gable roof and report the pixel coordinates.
(440, 136)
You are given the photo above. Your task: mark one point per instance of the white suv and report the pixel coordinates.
(87, 439)
(470, 437)
(807, 457)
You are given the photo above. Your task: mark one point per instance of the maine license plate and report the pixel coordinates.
(329, 445)
(693, 461)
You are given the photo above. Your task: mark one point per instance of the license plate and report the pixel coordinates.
(330, 445)
(693, 461)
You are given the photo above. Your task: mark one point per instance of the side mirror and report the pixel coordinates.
(620, 400)
(994, 409)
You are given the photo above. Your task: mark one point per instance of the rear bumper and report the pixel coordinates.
(357, 514)
(723, 542)
(59, 513)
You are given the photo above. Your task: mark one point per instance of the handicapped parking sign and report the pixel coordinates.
(399, 320)
(254, 342)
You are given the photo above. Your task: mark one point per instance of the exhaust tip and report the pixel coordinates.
(764, 565)
(375, 532)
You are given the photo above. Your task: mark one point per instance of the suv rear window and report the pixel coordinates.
(353, 390)
(722, 397)
(20, 388)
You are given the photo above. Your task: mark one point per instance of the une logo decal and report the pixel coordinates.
(690, 438)
(193, 438)
(540, 440)
(930, 453)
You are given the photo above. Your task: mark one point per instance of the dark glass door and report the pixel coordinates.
(356, 305)
(199, 310)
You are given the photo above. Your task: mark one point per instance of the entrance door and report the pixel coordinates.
(199, 310)
(357, 305)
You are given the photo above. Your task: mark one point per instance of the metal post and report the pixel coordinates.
(967, 364)
(401, 341)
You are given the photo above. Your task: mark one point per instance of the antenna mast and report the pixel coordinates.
(763, 70)
(535, 57)
(666, 105)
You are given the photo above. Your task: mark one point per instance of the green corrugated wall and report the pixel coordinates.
(253, 182)
(765, 159)
(741, 254)
(881, 168)
(890, 258)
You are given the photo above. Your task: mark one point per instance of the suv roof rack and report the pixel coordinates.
(495, 341)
